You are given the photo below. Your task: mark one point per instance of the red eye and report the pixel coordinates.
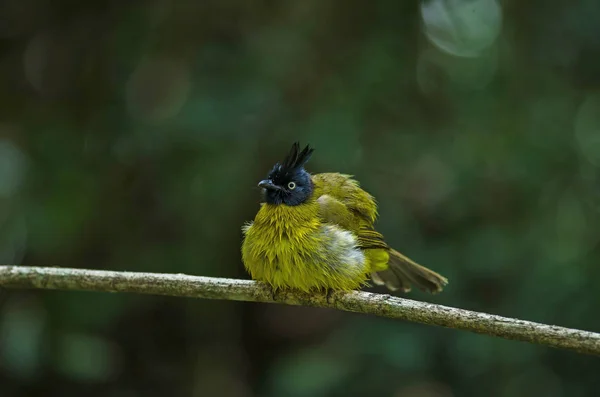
(291, 185)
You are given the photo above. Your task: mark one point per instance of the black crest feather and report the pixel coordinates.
(296, 158)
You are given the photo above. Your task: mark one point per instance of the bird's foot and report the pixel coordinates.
(329, 296)
(273, 293)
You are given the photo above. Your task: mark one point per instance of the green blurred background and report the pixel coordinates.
(133, 133)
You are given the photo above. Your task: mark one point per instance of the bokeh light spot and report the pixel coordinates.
(13, 237)
(571, 229)
(12, 168)
(50, 63)
(87, 357)
(462, 28)
(587, 128)
(34, 60)
(21, 335)
(158, 89)
(431, 181)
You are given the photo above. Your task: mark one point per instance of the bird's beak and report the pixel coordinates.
(268, 184)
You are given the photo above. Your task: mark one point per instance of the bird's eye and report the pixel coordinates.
(291, 185)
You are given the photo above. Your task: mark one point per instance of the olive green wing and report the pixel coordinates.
(347, 191)
(343, 202)
(334, 211)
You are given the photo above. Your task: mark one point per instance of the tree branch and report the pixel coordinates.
(383, 305)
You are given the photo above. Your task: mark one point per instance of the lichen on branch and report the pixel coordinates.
(383, 305)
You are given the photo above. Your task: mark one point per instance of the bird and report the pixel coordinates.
(316, 232)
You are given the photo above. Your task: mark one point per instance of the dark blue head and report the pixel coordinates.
(288, 182)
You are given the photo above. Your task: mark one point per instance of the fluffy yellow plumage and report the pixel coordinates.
(316, 232)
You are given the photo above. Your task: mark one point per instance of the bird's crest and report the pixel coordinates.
(296, 158)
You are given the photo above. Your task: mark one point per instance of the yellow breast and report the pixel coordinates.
(289, 246)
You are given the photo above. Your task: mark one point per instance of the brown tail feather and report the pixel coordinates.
(403, 272)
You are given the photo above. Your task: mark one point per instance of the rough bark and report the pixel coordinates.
(181, 285)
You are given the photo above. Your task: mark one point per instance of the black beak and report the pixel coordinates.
(268, 184)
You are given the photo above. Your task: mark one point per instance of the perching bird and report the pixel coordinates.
(315, 232)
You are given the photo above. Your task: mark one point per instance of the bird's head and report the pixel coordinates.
(288, 182)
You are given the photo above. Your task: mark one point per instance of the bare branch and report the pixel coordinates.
(244, 290)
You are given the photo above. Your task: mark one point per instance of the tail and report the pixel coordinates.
(403, 272)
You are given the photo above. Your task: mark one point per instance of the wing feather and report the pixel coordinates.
(343, 202)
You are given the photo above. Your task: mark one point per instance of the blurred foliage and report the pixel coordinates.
(133, 134)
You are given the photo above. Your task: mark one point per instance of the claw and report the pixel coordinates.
(328, 295)
(273, 293)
